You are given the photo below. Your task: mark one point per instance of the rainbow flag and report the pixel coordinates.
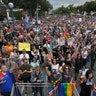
(90, 27)
(66, 35)
(24, 13)
(65, 89)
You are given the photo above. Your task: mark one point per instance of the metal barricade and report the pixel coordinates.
(75, 92)
(26, 89)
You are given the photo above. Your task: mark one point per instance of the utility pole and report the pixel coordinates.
(37, 13)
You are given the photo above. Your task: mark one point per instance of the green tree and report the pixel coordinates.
(31, 5)
(64, 10)
(90, 6)
(45, 6)
(71, 8)
(17, 14)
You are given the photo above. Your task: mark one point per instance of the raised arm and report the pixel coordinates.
(13, 66)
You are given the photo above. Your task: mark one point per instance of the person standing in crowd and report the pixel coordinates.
(2, 40)
(37, 77)
(86, 84)
(93, 56)
(84, 55)
(25, 71)
(67, 76)
(52, 76)
(49, 57)
(9, 31)
(47, 45)
(68, 58)
(34, 63)
(44, 55)
(23, 56)
(7, 81)
(78, 65)
(9, 48)
(35, 53)
(14, 56)
(55, 65)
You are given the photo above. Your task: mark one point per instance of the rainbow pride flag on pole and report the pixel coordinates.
(64, 89)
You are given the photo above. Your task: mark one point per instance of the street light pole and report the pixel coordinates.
(11, 6)
(12, 15)
(37, 13)
(1, 1)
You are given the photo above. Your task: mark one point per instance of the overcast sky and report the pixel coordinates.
(58, 3)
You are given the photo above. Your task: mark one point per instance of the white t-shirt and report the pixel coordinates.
(26, 55)
(55, 66)
(22, 56)
(47, 46)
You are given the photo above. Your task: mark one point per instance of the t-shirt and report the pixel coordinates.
(52, 79)
(22, 56)
(25, 67)
(9, 48)
(2, 76)
(55, 66)
(66, 77)
(85, 89)
(7, 86)
(34, 64)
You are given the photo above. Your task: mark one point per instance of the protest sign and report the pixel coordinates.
(23, 45)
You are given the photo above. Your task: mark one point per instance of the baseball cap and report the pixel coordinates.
(54, 71)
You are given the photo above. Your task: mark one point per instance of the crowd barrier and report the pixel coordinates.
(26, 89)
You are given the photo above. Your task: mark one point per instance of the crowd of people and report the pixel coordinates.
(60, 47)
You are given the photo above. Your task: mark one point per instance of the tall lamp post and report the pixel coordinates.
(11, 6)
(37, 12)
(37, 15)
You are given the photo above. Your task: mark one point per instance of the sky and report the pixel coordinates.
(59, 3)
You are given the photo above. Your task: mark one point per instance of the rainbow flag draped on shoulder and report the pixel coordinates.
(64, 89)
